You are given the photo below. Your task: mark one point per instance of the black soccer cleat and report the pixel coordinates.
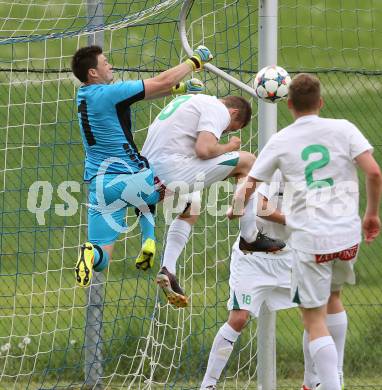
(263, 243)
(170, 286)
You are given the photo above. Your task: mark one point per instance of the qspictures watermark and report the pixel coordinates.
(40, 195)
(339, 200)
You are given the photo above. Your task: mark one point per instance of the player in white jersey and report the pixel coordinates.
(255, 278)
(183, 148)
(321, 171)
(183, 141)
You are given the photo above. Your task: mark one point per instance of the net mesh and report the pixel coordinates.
(133, 339)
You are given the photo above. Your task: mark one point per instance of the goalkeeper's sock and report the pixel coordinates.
(177, 237)
(220, 352)
(337, 325)
(101, 258)
(147, 224)
(310, 376)
(324, 355)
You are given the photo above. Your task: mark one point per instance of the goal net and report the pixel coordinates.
(120, 333)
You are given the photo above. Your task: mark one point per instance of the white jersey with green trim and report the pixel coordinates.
(176, 128)
(321, 195)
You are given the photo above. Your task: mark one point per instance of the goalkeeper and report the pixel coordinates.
(117, 175)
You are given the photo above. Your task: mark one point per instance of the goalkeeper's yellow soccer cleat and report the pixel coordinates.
(145, 259)
(84, 266)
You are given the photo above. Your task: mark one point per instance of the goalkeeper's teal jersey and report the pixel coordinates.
(106, 128)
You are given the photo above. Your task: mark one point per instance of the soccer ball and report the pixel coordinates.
(271, 84)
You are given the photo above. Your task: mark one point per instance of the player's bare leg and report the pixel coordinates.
(222, 347)
(244, 165)
(91, 258)
(335, 303)
(238, 319)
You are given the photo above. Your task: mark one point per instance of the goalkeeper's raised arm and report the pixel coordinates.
(170, 81)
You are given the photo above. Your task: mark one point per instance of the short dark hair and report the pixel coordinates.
(242, 104)
(84, 59)
(305, 92)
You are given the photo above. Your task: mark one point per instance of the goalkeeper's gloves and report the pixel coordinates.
(190, 86)
(200, 56)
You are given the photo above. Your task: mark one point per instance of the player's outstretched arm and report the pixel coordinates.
(371, 220)
(162, 84)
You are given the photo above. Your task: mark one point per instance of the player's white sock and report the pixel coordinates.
(220, 352)
(337, 325)
(310, 375)
(324, 354)
(248, 229)
(177, 237)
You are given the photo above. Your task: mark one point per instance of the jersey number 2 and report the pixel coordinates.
(172, 106)
(314, 165)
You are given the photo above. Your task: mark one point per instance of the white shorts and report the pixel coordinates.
(183, 173)
(313, 282)
(255, 279)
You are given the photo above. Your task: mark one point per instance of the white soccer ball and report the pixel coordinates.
(271, 84)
